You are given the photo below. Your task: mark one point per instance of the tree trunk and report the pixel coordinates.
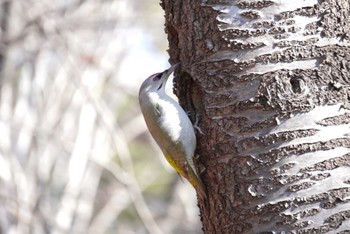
(269, 81)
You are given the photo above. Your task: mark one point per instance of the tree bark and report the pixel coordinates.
(270, 83)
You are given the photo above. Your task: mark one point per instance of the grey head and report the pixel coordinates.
(156, 82)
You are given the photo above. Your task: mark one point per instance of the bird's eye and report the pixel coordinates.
(156, 76)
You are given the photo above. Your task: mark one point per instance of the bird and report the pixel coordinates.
(170, 127)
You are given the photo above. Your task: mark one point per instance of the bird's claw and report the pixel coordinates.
(196, 126)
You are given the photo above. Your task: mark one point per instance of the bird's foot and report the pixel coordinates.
(196, 126)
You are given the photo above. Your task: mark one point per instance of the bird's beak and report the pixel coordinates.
(171, 69)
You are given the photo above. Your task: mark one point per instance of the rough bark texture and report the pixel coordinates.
(270, 82)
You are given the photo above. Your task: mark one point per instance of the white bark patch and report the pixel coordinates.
(317, 219)
(325, 133)
(232, 14)
(310, 119)
(264, 68)
(288, 32)
(303, 163)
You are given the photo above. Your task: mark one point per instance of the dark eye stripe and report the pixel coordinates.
(156, 76)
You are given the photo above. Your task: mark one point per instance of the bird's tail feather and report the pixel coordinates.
(188, 172)
(197, 183)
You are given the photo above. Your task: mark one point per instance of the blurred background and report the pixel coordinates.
(75, 155)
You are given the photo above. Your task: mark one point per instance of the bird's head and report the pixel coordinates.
(156, 82)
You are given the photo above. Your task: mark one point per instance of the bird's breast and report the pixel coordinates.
(168, 123)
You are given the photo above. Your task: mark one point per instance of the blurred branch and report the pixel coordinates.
(67, 163)
(4, 19)
(118, 201)
(107, 119)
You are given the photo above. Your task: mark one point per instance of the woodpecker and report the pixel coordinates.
(170, 127)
